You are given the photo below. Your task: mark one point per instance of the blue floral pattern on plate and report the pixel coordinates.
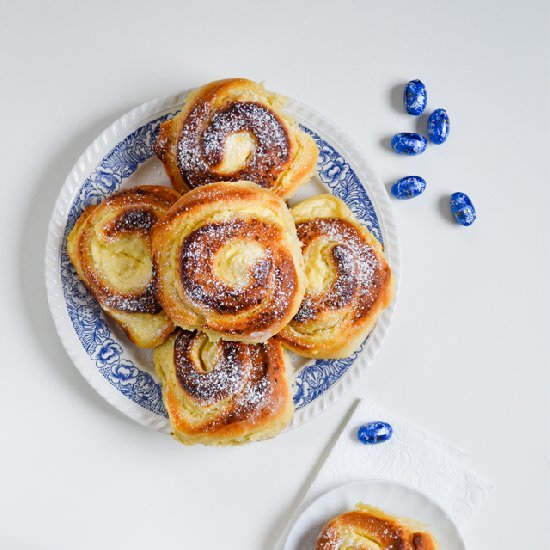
(86, 317)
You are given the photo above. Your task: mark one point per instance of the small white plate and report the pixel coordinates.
(122, 156)
(393, 498)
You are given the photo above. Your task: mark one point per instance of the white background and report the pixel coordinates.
(466, 355)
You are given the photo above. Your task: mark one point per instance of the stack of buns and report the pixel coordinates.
(218, 274)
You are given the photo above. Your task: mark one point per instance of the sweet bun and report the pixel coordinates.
(232, 130)
(228, 262)
(349, 282)
(110, 248)
(368, 528)
(223, 393)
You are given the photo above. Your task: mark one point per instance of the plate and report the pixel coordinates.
(122, 157)
(394, 498)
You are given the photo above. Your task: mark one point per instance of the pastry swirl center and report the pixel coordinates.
(342, 269)
(210, 372)
(228, 266)
(242, 141)
(236, 261)
(122, 255)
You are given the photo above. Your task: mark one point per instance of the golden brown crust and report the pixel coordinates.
(349, 281)
(369, 528)
(194, 149)
(223, 393)
(116, 234)
(228, 262)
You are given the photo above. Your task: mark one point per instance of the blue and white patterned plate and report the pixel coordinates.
(122, 156)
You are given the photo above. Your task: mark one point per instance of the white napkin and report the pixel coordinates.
(412, 457)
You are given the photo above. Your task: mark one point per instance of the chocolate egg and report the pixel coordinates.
(415, 97)
(462, 209)
(439, 126)
(408, 143)
(408, 188)
(373, 433)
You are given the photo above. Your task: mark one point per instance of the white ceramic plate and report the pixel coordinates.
(392, 498)
(121, 157)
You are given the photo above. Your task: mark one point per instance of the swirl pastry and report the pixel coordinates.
(222, 393)
(110, 248)
(349, 282)
(368, 528)
(228, 262)
(232, 130)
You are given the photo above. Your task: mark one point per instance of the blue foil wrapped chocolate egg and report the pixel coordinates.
(462, 209)
(408, 143)
(374, 432)
(415, 97)
(408, 188)
(439, 126)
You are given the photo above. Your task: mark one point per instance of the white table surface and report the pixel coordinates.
(466, 356)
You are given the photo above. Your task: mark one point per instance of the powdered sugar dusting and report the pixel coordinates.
(271, 284)
(135, 211)
(238, 117)
(201, 143)
(226, 379)
(242, 375)
(329, 539)
(364, 530)
(358, 269)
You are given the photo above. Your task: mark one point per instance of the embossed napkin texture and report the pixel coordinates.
(412, 457)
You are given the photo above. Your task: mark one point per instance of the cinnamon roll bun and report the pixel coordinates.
(223, 393)
(228, 262)
(232, 130)
(368, 528)
(349, 282)
(110, 248)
